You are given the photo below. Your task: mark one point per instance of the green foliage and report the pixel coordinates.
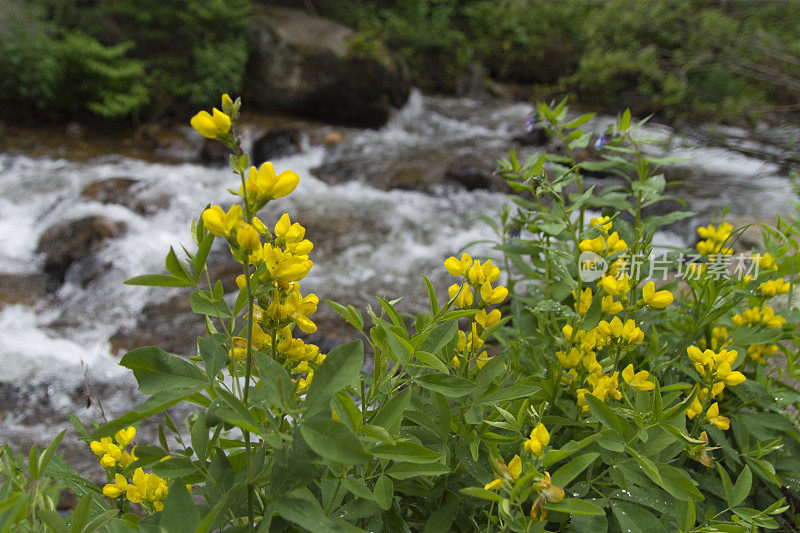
(193, 50)
(63, 72)
(671, 57)
(120, 58)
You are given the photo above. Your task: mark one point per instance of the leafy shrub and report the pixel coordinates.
(63, 72)
(583, 399)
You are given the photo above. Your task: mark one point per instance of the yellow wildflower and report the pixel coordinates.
(659, 299)
(114, 490)
(125, 436)
(465, 297)
(248, 238)
(540, 438)
(487, 320)
(637, 380)
(493, 296)
(263, 184)
(458, 267)
(583, 302)
(713, 416)
(211, 126)
(220, 223)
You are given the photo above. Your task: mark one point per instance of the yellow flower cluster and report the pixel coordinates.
(714, 239)
(581, 365)
(719, 339)
(143, 488)
(603, 244)
(760, 352)
(759, 316)
(477, 278)
(112, 453)
(774, 287)
(508, 474)
(715, 369)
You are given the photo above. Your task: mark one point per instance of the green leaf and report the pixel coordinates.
(440, 337)
(203, 303)
(576, 506)
(742, 487)
(334, 441)
(347, 314)
(727, 486)
(554, 456)
(635, 519)
(175, 267)
(214, 356)
(50, 518)
(685, 516)
(158, 280)
(409, 452)
(377, 432)
(410, 470)
(157, 370)
(201, 255)
(564, 475)
(391, 410)
(308, 515)
(154, 404)
(477, 492)
(175, 467)
(429, 360)
(648, 466)
(446, 385)
(384, 492)
(229, 409)
(508, 393)
(434, 301)
(678, 483)
(654, 222)
(340, 368)
(275, 381)
(80, 516)
(47, 455)
(180, 513)
(608, 418)
(443, 517)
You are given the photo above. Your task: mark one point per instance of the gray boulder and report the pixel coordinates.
(303, 64)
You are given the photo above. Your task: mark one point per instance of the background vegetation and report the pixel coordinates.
(122, 58)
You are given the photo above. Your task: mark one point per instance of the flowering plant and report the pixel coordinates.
(555, 388)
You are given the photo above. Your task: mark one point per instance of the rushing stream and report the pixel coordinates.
(370, 239)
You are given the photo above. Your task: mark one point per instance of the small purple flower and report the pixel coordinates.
(531, 121)
(601, 142)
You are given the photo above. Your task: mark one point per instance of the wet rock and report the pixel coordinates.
(170, 325)
(332, 138)
(470, 177)
(24, 289)
(75, 241)
(277, 143)
(171, 143)
(214, 153)
(74, 130)
(537, 136)
(303, 64)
